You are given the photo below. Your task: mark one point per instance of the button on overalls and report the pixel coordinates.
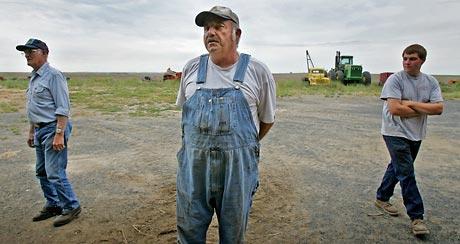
(218, 161)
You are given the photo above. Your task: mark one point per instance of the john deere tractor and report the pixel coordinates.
(347, 72)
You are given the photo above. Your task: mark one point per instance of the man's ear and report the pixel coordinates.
(238, 33)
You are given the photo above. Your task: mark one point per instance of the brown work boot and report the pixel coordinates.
(387, 207)
(419, 228)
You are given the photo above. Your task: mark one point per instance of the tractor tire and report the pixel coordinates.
(332, 75)
(306, 81)
(366, 78)
(341, 77)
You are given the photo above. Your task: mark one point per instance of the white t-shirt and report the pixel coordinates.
(258, 87)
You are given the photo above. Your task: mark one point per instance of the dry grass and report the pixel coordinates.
(128, 93)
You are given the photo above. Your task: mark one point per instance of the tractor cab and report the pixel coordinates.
(346, 59)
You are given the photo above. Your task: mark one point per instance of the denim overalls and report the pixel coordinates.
(218, 161)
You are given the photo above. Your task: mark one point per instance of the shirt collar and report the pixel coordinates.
(413, 77)
(42, 69)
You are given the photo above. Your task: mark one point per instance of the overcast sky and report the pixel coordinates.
(150, 36)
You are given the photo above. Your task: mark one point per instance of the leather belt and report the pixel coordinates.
(43, 124)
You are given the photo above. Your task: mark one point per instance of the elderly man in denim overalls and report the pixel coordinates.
(228, 104)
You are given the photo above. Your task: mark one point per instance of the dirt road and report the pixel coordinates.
(320, 167)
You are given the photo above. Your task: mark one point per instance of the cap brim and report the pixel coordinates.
(25, 47)
(204, 16)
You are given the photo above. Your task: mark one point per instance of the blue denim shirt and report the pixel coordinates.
(47, 95)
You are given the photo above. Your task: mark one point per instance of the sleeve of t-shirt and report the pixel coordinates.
(435, 95)
(267, 98)
(180, 100)
(391, 88)
(181, 92)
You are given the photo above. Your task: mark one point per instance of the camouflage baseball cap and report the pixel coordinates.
(219, 11)
(33, 44)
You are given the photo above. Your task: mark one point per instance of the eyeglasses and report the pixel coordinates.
(29, 51)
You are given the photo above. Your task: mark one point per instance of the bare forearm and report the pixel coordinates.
(426, 108)
(264, 128)
(61, 122)
(407, 113)
(401, 109)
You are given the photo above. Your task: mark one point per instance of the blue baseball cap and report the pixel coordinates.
(33, 44)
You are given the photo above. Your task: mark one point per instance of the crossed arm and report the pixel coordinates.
(409, 109)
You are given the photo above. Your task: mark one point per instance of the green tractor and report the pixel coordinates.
(347, 72)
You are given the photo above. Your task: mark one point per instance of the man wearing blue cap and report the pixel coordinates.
(228, 106)
(48, 110)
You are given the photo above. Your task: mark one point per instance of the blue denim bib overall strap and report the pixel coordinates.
(218, 161)
(51, 168)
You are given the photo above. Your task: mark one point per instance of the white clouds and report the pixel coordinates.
(153, 35)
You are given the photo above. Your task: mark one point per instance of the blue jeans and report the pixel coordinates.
(51, 169)
(401, 169)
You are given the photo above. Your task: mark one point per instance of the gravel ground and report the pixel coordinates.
(320, 166)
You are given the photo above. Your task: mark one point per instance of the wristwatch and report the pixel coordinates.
(58, 130)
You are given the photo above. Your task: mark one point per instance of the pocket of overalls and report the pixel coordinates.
(222, 116)
(180, 156)
(199, 113)
(256, 168)
(214, 116)
(257, 153)
(223, 119)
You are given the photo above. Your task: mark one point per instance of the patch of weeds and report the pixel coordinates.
(15, 130)
(6, 107)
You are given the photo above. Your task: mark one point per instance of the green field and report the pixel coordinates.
(136, 97)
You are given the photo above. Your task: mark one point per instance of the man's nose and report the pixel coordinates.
(211, 31)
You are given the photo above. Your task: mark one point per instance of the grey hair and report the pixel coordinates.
(235, 27)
